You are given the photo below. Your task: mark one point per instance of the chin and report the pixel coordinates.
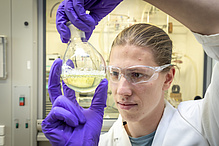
(129, 117)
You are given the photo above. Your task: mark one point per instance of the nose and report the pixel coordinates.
(124, 88)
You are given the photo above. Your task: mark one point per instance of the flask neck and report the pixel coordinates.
(76, 34)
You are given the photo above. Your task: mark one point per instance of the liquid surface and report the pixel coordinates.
(83, 81)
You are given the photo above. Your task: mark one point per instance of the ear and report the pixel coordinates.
(169, 78)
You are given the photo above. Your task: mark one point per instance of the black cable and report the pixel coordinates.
(53, 8)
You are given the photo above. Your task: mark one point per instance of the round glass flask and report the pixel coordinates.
(83, 66)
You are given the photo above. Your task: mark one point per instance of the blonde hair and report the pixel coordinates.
(147, 35)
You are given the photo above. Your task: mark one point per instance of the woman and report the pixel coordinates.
(137, 87)
(138, 92)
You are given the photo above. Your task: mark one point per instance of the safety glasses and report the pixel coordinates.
(135, 74)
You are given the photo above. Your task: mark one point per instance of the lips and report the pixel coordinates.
(126, 106)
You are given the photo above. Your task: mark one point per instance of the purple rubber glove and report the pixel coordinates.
(68, 123)
(75, 11)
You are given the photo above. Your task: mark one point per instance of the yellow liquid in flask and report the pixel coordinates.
(83, 81)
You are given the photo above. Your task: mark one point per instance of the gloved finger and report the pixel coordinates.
(88, 34)
(74, 108)
(100, 96)
(70, 63)
(103, 8)
(68, 92)
(96, 16)
(61, 20)
(79, 8)
(78, 17)
(58, 114)
(54, 86)
(55, 133)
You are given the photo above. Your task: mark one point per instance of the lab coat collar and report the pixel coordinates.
(120, 134)
(164, 124)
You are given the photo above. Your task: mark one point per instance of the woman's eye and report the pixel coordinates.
(114, 73)
(137, 75)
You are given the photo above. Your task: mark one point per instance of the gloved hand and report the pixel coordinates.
(68, 123)
(75, 11)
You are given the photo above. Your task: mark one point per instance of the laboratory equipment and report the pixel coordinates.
(83, 66)
(50, 58)
(175, 95)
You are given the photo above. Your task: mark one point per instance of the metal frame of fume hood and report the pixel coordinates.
(3, 42)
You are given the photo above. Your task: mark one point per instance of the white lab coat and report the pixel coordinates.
(194, 123)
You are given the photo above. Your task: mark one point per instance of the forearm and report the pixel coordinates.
(201, 16)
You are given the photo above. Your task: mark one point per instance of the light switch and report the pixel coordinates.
(2, 140)
(2, 130)
(17, 125)
(22, 101)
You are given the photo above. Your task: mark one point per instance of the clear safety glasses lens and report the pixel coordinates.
(135, 74)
